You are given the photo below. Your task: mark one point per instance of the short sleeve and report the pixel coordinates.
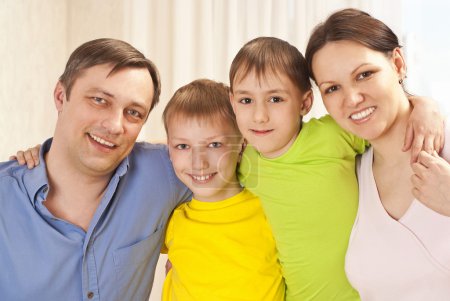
(169, 236)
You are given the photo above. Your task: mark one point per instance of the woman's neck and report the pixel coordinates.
(388, 147)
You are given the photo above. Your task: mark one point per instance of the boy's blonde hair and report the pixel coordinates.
(271, 54)
(202, 99)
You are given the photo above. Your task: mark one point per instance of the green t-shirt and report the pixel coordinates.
(310, 197)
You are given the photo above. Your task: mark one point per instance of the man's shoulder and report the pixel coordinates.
(10, 169)
(150, 151)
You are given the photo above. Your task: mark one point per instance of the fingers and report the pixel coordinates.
(20, 158)
(29, 158)
(425, 158)
(35, 154)
(416, 180)
(417, 145)
(11, 158)
(419, 170)
(428, 143)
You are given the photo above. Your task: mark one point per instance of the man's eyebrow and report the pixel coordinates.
(101, 91)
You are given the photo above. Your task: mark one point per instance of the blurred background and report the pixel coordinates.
(187, 39)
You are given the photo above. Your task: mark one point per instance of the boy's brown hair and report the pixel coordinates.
(271, 54)
(202, 99)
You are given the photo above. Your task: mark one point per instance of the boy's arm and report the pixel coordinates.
(425, 130)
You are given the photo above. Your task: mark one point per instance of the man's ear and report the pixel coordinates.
(59, 96)
(307, 101)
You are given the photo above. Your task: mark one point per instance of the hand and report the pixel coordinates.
(425, 130)
(431, 181)
(168, 266)
(30, 157)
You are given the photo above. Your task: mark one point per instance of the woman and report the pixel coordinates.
(400, 245)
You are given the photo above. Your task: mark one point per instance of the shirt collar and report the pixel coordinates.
(36, 178)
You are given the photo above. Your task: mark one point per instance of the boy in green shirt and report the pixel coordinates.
(303, 172)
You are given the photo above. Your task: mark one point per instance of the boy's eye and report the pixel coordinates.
(364, 75)
(215, 144)
(275, 99)
(245, 100)
(181, 146)
(331, 89)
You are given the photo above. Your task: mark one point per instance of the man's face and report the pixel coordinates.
(98, 124)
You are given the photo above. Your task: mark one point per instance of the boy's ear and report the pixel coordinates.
(59, 95)
(230, 95)
(307, 101)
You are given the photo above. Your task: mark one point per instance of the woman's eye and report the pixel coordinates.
(364, 74)
(245, 101)
(275, 99)
(331, 89)
(215, 144)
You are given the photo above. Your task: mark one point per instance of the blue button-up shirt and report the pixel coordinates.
(46, 258)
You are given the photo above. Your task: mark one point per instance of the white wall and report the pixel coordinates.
(33, 51)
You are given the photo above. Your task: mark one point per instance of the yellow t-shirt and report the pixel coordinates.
(222, 251)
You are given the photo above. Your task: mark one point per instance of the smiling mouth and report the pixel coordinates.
(202, 178)
(261, 132)
(102, 141)
(363, 114)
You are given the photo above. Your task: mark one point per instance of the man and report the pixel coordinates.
(87, 223)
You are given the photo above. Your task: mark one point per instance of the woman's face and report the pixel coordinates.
(360, 87)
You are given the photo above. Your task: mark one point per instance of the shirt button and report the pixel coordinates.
(90, 295)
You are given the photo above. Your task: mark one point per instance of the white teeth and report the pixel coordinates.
(202, 178)
(101, 141)
(362, 114)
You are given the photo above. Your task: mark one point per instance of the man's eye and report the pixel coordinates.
(215, 144)
(99, 100)
(275, 99)
(245, 100)
(331, 89)
(134, 113)
(181, 146)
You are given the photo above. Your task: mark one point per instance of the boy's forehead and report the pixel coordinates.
(261, 78)
(260, 74)
(221, 123)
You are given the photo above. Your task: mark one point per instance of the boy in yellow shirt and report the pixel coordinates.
(219, 244)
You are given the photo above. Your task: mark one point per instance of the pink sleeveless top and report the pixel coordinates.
(399, 260)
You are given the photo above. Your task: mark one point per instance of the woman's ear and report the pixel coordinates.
(399, 63)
